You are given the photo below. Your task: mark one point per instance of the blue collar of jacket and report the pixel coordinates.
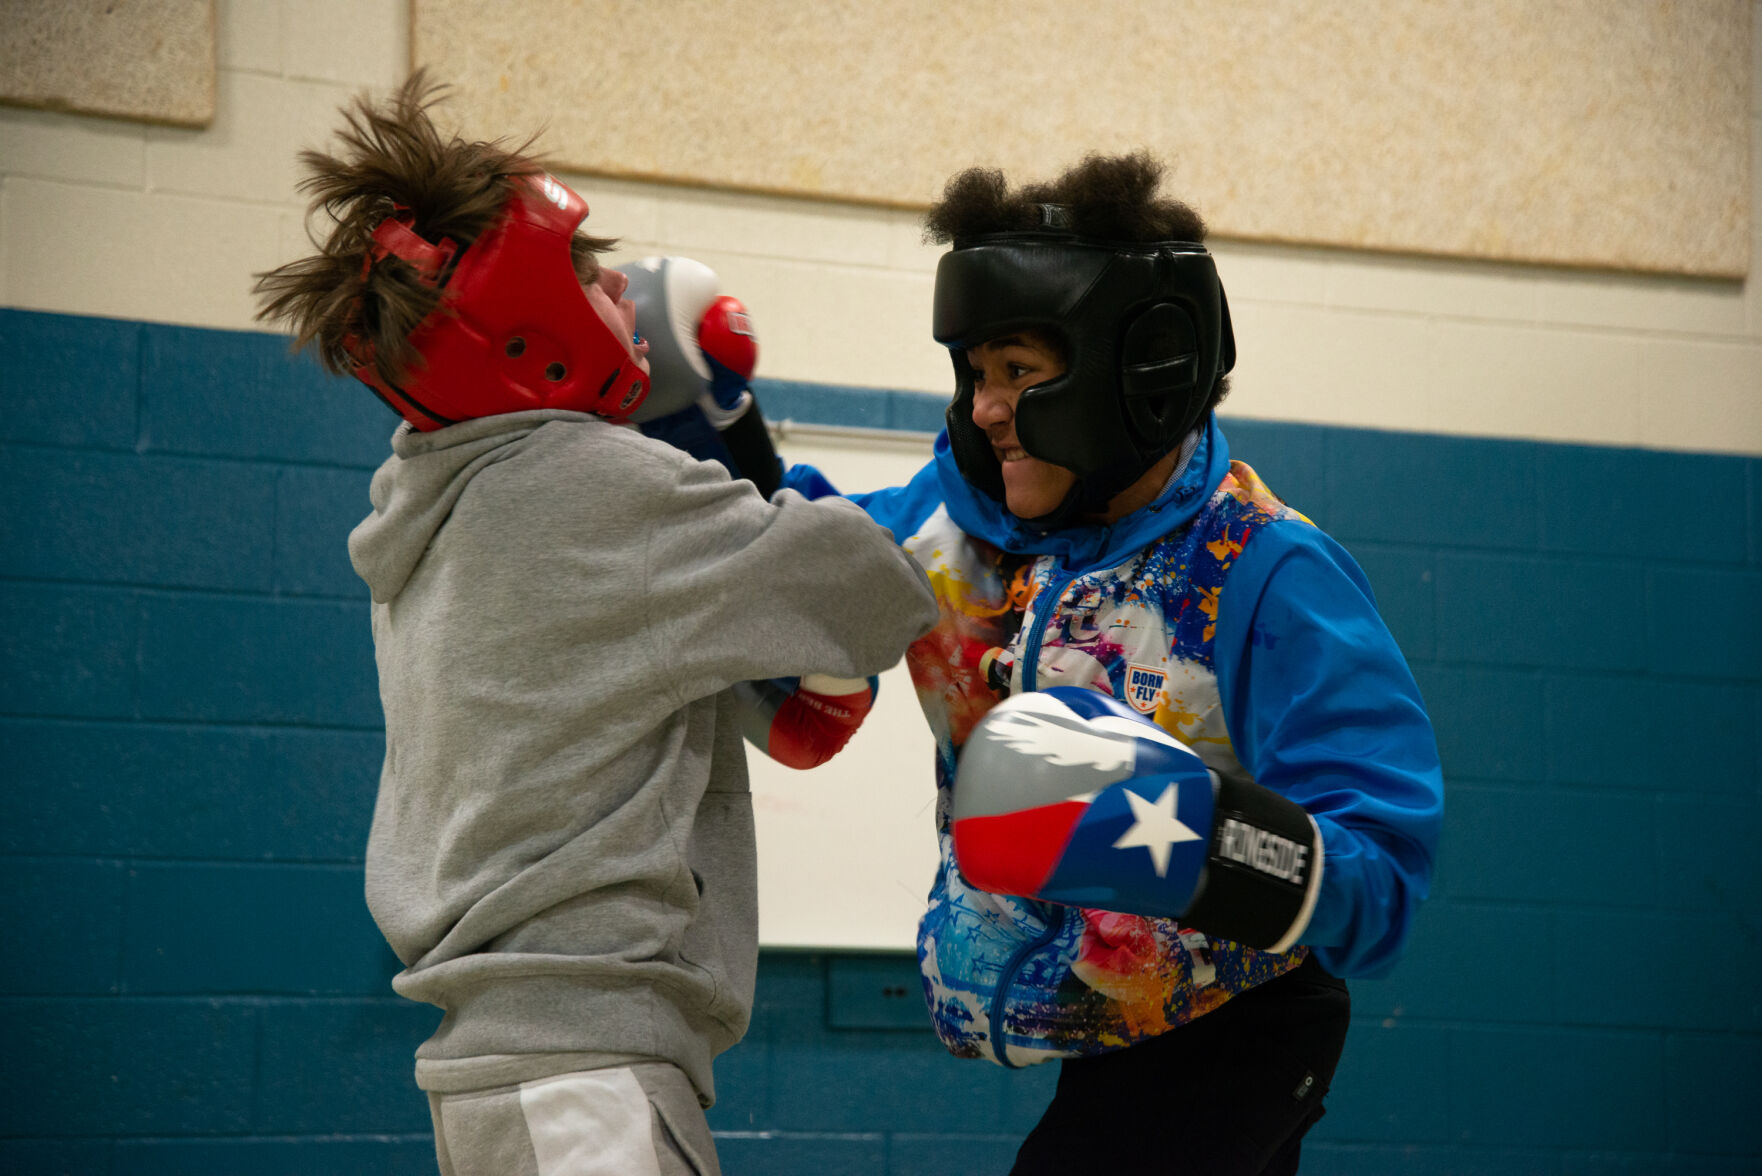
(1093, 545)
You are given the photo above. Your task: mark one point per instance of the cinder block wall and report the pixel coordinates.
(190, 726)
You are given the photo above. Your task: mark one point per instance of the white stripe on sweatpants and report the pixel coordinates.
(595, 1123)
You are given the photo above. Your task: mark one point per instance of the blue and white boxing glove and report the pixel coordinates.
(1069, 796)
(702, 352)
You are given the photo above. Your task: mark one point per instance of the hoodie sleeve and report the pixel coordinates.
(746, 589)
(901, 509)
(1322, 708)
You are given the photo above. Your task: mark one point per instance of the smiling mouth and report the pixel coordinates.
(1010, 452)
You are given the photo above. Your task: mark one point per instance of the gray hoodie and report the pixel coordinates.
(562, 849)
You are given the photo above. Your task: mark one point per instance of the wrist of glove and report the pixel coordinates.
(728, 390)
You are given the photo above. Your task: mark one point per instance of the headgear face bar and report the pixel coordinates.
(515, 331)
(1147, 333)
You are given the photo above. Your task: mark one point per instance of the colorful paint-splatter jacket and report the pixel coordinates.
(1233, 622)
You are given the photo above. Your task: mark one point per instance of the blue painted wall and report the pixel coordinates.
(190, 729)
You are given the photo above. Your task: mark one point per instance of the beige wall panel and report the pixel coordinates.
(150, 60)
(1599, 133)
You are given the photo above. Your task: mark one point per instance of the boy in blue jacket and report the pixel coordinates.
(1084, 526)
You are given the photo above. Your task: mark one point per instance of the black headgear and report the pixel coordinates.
(1147, 330)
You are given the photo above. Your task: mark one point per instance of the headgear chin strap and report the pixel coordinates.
(1147, 331)
(514, 330)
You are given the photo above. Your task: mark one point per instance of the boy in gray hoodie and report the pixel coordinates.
(562, 850)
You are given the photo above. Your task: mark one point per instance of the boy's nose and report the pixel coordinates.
(990, 408)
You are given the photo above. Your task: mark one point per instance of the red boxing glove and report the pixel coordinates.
(725, 335)
(804, 727)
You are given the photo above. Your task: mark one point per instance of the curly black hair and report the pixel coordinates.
(1109, 198)
(1105, 197)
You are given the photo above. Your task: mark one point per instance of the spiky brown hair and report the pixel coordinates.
(391, 156)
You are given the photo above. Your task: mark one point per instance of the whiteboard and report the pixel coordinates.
(847, 850)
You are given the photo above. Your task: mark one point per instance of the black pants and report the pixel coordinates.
(1230, 1094)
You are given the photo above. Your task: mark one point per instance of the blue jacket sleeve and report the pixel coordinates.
(903, 509)
(807, 481)
(1322, 708)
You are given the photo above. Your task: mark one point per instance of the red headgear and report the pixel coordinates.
(515, 330)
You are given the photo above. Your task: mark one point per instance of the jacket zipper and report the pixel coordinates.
(1030, 663)
(1030, 659)
(1006, 980)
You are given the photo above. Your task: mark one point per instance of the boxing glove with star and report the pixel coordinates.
(1069, 796)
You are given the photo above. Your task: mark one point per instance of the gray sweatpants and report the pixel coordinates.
(641, 1120)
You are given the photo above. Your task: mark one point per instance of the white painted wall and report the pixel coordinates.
(152, 223)
(112, 218)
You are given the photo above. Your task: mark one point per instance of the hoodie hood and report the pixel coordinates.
(1088, 545)
(414, 491)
